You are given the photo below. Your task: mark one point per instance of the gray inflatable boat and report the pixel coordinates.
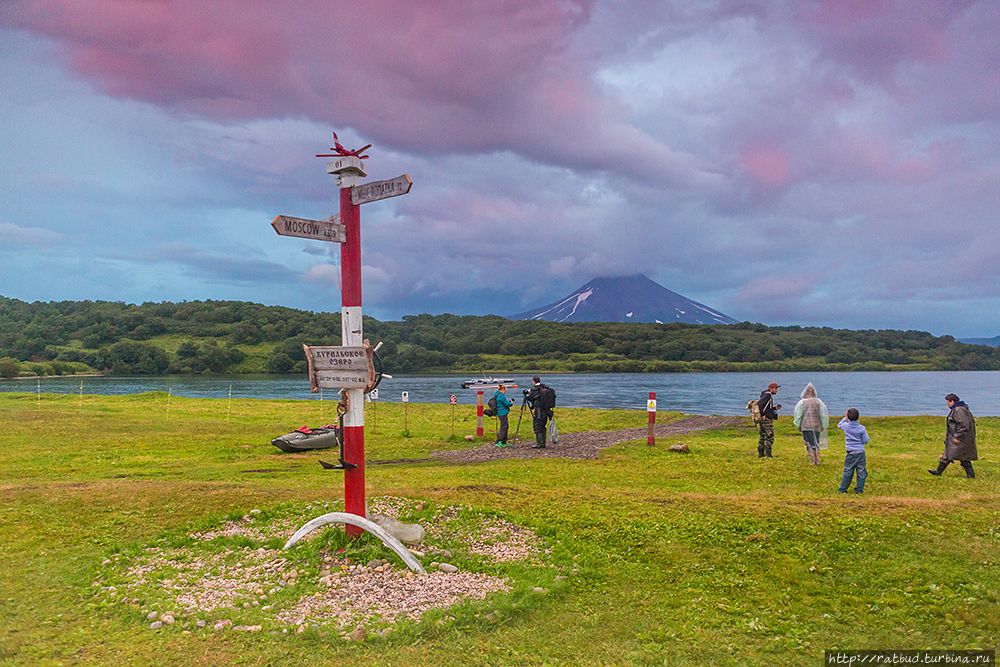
(306, 439)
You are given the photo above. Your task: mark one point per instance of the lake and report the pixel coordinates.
(874, 394)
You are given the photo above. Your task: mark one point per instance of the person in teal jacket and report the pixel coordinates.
(503, 409)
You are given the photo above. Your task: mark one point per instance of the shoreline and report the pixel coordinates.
(56, 377)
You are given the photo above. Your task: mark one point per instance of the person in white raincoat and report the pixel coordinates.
(812, 419)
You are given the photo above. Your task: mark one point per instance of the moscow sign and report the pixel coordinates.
(318, 230)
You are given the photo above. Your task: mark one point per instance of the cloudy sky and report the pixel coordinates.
(813, 162)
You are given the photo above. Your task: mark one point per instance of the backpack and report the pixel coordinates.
(755, 416)
(548, 395)
(491, 407)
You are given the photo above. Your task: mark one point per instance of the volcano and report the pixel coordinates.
(626, 299)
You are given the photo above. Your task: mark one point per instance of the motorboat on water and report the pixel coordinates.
(488, 382)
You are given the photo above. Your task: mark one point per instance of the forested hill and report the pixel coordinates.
(56, 338)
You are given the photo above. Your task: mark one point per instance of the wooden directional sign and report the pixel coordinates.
(362, 194)
(319, 230)
(338, 367)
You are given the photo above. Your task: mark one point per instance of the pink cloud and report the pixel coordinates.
(431, 76)
(874, 36)
(368, 64)
(913, 171)
(767, 164)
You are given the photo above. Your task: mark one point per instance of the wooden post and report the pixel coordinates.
(651, 408)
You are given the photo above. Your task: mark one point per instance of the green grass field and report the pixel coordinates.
(712, 558)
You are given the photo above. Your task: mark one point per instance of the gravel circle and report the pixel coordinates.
(201, 587)
(585, 444)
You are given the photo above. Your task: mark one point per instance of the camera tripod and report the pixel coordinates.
(523, 404)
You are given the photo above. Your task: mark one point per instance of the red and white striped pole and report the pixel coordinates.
(352, 335)
(479, 414)
(651, 408)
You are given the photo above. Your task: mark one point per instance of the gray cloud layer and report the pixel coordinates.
(815, 162)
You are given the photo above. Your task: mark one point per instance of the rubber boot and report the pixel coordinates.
(940, 469)
(969, 472)
(760, 451)
(539, 441)
(767, 452)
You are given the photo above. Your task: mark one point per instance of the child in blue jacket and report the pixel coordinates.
(857, 438)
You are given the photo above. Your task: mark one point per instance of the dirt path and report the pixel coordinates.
(585, 444)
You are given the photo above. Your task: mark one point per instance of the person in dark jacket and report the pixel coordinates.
(768, 413)
(959, 438)
(540, 415)
(503, 409)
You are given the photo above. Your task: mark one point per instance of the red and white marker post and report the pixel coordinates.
(651, 408)
(352, 334)
(479, 414)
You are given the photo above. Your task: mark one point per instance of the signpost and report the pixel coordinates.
(406, 404)
(651, 409)
(453, 399)
(318, 230)
(340, 367)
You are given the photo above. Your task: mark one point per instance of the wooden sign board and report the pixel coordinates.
(367, 192)
(337, 367)
(318, 230)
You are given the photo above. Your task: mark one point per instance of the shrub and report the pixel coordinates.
(10, 367)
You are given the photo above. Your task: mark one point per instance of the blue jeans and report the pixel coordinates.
(854, 461)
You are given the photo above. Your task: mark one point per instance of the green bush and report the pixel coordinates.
(10, 367)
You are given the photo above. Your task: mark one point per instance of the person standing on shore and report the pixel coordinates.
(503, 409)
(812, 419)
(959, 438)
(540, 399)
(768, 413)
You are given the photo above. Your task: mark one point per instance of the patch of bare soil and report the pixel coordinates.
(585, 444)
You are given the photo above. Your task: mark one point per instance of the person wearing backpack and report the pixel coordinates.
(542, 399)
(768, 413)
(503, 409)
